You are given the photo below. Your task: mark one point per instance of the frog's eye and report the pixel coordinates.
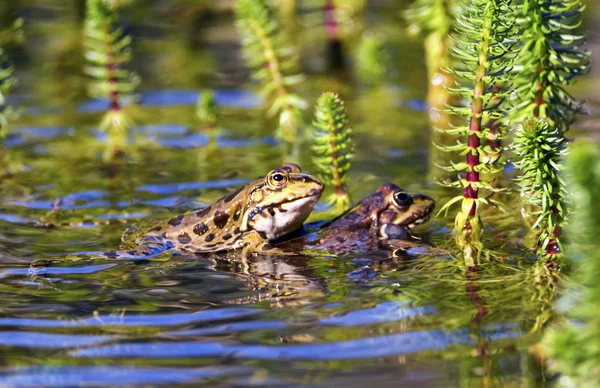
(277, 178)
(401, 199)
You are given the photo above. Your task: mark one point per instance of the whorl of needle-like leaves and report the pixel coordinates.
(107, 51)
(332, 146)
(273, 62)
(540, 148)
(483, 52)
(549, 59)
(7, 82)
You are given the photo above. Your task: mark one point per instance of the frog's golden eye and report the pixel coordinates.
(401, 199)
(277, 178)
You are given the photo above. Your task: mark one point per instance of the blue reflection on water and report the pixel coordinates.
(180, 97)
(16, 219)
(118, 375)
(176, 187)
(57, 270)
(49, 341)
(383, 312)
(137, 320)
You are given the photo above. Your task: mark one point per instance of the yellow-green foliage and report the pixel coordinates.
(333, 148)
(540, 148)
(7, 82)
(108, 52)
(273, 63)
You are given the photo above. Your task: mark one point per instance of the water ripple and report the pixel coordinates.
(25, 339)
(383, 346)
(56, 270)
(118, 375)
(384, 312)
(136, 320)
(176, 187)
(230, 328)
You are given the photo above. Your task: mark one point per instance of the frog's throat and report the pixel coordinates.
(277, 220)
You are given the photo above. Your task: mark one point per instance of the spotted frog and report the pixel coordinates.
(386, 215)
(266, 209)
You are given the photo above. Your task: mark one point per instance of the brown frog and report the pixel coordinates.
(386, 215)
(264, 210)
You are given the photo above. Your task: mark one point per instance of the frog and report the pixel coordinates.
(262, 211)
(388, 215)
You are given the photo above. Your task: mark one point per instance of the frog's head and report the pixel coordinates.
(280, 202)
(402, 208)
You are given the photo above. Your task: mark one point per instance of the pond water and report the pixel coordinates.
(351, 320)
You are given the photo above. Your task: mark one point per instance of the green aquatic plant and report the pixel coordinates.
(332, 147)
(483, 52)
(7, 82)
(549, 59)
(12, 34)
(371, 59)
(108, 53)
(207, 109)
(540, 148)
(574, 347)
(274, 64)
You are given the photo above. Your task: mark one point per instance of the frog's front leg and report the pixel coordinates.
(375, 228)
(255, 243)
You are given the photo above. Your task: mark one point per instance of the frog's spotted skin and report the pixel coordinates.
(265, 209)
(386, 215)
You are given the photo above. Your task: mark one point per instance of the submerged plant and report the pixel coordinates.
(549, 59)
(483, 52)
(274, 64)
(108, 52)
(332, 147)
